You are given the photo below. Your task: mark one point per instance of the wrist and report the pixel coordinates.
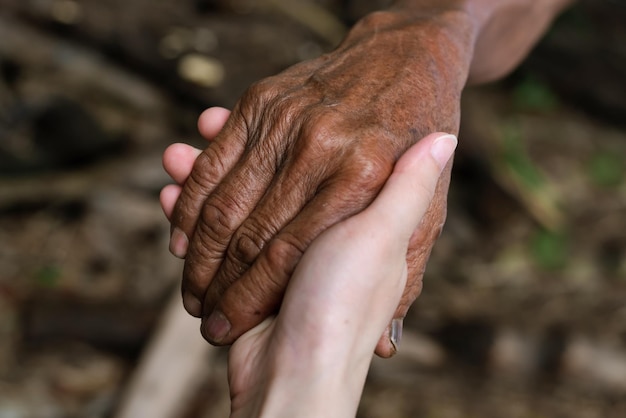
(444, 33)
(501, 33)
(306, 378)
(329, 392)
(318, 378)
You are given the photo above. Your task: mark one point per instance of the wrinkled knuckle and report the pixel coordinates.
(216, 225)
(287, 110)
(206, 170)
(282, 254)
(261, 92)
(246, 246)
(369, 172)
(320, 136)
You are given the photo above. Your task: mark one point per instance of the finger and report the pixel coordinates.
(211, 121)
(295, 185)
(259, 291)
(407, 194)
(420, 246)
(228, 206)
(210, 167)
(178, 160)
(168, 197)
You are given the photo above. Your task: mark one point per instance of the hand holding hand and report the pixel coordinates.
(303, 151)
(312, 359)
(316, 352)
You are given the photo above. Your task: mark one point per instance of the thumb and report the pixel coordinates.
(404, 199)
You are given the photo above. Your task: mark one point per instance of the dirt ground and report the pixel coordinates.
(523, 314)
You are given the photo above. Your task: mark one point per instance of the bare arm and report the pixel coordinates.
(508, 31)
(497, 34)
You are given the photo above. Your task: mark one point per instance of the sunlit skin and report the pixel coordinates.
(313, 145)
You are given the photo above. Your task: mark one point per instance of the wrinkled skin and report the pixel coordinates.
(339, 299)
(304, 150)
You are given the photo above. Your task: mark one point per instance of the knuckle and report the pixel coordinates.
(260, 92)
(216, 224)
(245, 247)
(367, 172)
(320, 136)
(207, 170)
(286, 111)
(372, 172)
(259, 292)
(234, 266)
(282, 254)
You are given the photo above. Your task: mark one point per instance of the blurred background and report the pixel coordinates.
(524, 308)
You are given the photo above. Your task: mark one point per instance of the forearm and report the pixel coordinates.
(500, 34)
(321, 374)
(322, 393)
(508, 31)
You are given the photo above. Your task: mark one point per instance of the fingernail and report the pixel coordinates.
(179, 243)
(192, 304)
(396, 333)
(216, 327)
(442, 149)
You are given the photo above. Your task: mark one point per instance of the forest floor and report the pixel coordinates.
(523, 313)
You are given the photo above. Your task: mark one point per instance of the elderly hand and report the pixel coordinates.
(313, 357)
(313, 145)
(304, 150)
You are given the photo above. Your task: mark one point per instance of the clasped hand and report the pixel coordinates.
(300, 152)
(312, 358)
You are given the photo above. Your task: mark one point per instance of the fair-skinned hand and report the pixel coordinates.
(312, 358)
